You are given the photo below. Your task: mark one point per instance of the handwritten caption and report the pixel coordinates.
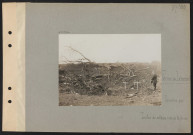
(174, 76)
(173, 100)
(175, 8)
(146, 116)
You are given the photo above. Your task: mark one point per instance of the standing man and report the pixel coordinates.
(154, 81)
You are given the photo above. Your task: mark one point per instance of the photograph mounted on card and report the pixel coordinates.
(96, 67)
(109, 69)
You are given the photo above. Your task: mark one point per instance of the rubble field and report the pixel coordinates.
(101, 84)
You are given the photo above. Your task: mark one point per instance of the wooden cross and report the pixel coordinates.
(125, 85)
(137, 84)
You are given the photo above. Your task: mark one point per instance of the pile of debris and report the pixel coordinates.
(81, 75)
(82, 82)
(98, 79)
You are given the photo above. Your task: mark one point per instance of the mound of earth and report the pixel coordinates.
(106, 78)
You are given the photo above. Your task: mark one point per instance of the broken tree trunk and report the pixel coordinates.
(79, 53)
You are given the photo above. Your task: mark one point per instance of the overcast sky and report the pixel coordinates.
(110, 48)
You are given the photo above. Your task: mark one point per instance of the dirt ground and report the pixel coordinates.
(143, 97)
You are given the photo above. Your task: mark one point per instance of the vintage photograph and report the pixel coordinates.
(109, 69)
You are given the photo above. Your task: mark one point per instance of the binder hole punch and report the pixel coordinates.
(9, 101)
(9, 45)
(9, 32)
(9, 88)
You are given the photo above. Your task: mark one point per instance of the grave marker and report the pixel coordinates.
(137, 84)
(125, 85)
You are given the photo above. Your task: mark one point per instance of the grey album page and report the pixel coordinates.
(107, 67)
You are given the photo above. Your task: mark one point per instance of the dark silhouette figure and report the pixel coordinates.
(154, 81)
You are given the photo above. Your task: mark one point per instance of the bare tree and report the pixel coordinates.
(79, 53)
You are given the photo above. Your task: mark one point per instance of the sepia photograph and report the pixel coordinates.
(109, 69)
